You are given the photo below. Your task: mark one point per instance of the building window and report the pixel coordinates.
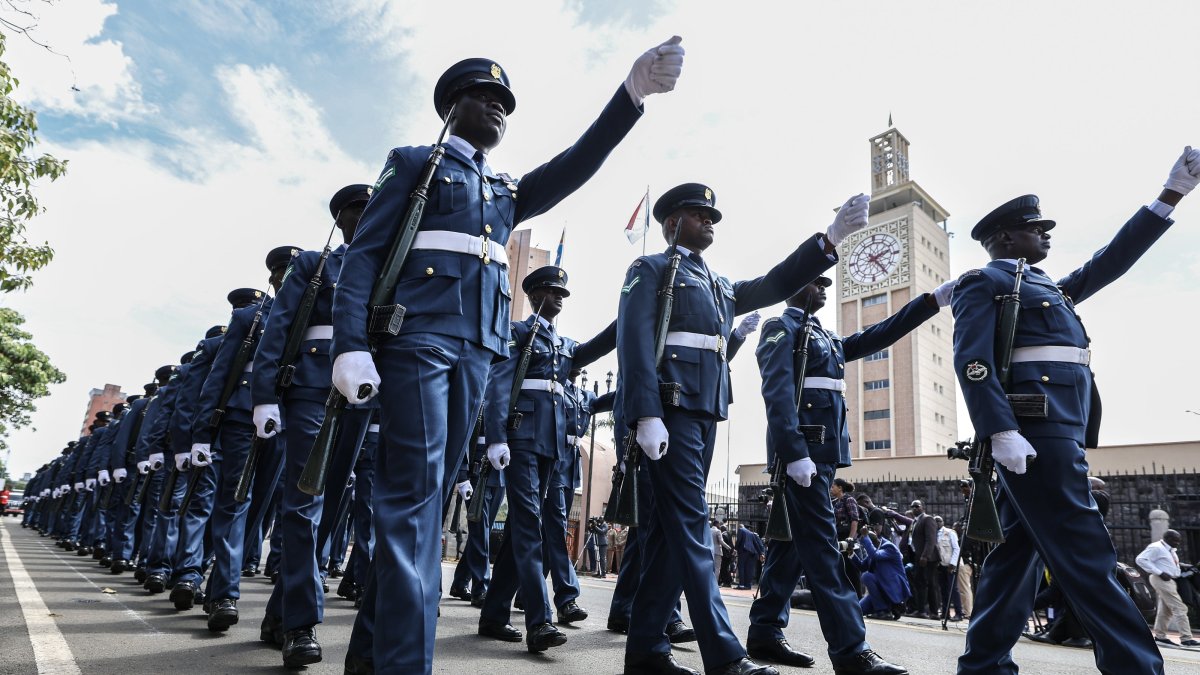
(877, 414)
(878, 299)
(871, 385)
(877, 356)
(879, 445)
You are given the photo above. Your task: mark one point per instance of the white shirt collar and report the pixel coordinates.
(467, 150)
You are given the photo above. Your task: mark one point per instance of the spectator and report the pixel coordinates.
(618, 536)
(601, 536)
(948, 556)
(726, 579)
(885, 522)
(1161, 562)
(750, 552)
(927, 596)
(883, 576)
(589, 548)
(719, 548)
(846, 512)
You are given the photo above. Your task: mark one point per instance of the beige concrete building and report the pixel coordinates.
(523, 258)
(901, 400)
(101, 399)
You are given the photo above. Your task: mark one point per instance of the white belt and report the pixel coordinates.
(1052, 353)
(824, 383)
(481, 440)
(318, 333)
(542, 385)
(457, 242)
(373, 429)
(572, 440)
(712, 343)
(249, 367)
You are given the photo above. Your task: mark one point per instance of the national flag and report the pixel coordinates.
(558, 256)
(637, 227)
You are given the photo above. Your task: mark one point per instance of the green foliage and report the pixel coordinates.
(19, 169)
(25, 374)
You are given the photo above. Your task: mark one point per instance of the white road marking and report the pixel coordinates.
(50, 649)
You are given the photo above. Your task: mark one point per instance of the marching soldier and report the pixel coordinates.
(473, 574)
(534, 439)
(128, 478)
(676, 541)
(1046, 507)
(454, 290)
(812, 443)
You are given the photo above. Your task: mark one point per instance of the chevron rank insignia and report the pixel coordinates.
(629, 286)
(776, 337)
(384, 178)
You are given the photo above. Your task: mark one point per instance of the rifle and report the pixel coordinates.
(130, 456)
(623, 510)
(983, 521)
(143, 490)
(475, 506)
(245, 480)
(385, 318)
(512, 419)
(295, 336)
(243, 356)
(779, 527)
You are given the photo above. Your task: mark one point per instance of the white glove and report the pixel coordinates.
(802, 471)
(1012, 450)
(748, 325)
(264, 413)
(656, 71)
(1186, 172)
(143, 467)
(103, 478)
(201, 454)
(464, 490)
(652, 437)
(46, 492)
(65, 487)
(156, 461)
(79, 486)
(351, 370)
(499, 455)
(852, 217)
(55, 493)
(181, 460)
(943, 293)
(120, 474)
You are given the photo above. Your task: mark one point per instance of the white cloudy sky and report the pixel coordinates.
(205, 132)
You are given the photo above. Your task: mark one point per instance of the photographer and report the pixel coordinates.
(883, 577)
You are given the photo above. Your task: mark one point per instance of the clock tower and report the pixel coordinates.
(901, 400)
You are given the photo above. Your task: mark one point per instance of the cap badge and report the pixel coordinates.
(708, 194)
(495, 71)
(258, 294)
(561, 274)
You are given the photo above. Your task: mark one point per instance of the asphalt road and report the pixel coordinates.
(108, 624)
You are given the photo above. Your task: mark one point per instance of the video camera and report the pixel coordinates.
(961, 450)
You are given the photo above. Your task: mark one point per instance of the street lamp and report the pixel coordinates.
(587, 499)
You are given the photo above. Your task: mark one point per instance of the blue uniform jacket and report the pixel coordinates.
(122, 435)
(457, 294)
(1047, 318)
(581, 405)
(159, 438)
(239, 406)
(103, 448)
(76, 462)
(701, 306)
(314, 369)
(779, 359)
(543, 426)
(87, 461)
(749, 543)
(180, 424)
(154, 427)
(887, 564)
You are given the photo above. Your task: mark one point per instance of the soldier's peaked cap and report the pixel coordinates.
(546, 277)
(683, 196)
(470, 73)
(347, 196)
(165, 372)
(823, 281)
(1019, 212)
(214, 332)
(243, 296)
(281, 256)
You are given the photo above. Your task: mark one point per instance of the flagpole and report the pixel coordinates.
(647, 234)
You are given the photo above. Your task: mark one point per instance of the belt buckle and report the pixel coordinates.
(483, 249)
(1088, 353)
(720, 349)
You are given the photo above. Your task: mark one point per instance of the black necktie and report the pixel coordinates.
(479, 160)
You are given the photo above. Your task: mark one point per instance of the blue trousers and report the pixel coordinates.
(337, 490)
(263, 499)
(677, 547)
(362, 513)
(1048, 514)
(165, 528)
(430, 393)
(188, 559)
(228, 520)
(474, 567)
(555, 557)
(298, 597)
(628, 577)
(118, 517)
(812, 551)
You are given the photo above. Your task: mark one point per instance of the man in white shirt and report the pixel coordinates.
(948, 553)
(1162, 563)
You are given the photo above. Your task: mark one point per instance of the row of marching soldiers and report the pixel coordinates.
(183, 479)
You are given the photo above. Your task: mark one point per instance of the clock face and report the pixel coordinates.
(874, 258)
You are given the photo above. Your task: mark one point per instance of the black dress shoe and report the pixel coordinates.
(478, 600)
(571, 612)
(518, 603)
(1077, 642)
(348, 589)
(459, 592)
(742, 666)
(778, 651)
(97, 552)
(679, 632)
(656, 664)
(500, 631)
(250, 571)
(271, 630)
(224, 613)
(1042, 637)
(274, 578)
(106, 562)
(866, 663)
(155, 583)
(300, 647)
(184, 595)
(544, 636)
(83, 551)
(139, 575)
(356, 665)
(618, 625)
(335, 573)
(118, 566)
